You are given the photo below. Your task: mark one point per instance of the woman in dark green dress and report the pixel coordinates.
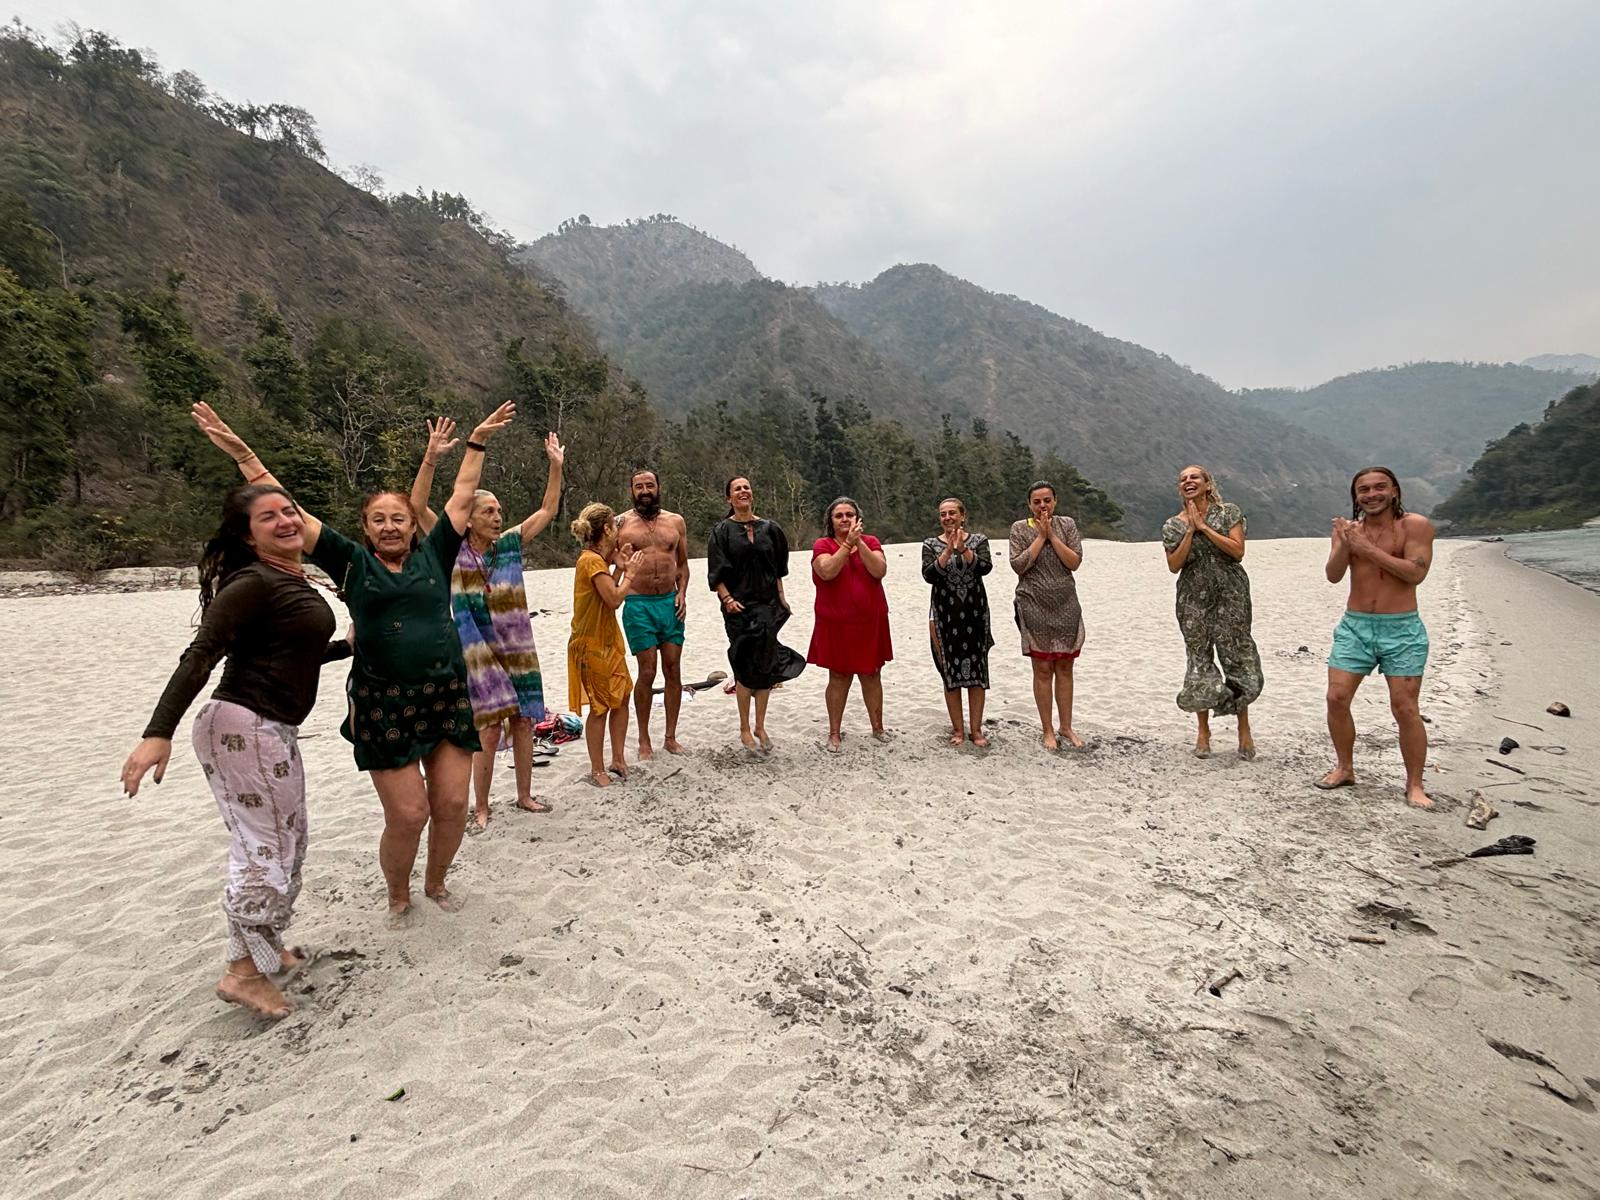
(409, 718)
(1205, 549)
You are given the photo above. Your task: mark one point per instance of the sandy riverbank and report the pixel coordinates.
(906, 971)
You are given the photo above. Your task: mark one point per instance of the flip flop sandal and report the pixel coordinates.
(1328, 787)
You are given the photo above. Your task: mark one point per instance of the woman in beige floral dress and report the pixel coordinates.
(1205, 546)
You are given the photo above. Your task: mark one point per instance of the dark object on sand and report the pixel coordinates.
(1517, 843)
(1507, 745)
(1216, 986)
(1368, 939)
(397, 1094)
(1559, 709)
(709, 681)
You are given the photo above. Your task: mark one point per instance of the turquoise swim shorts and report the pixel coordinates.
(651, 621)
(1394, 643)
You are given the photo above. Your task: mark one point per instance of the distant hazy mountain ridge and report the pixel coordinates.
(1429, 421)
(1577, 364)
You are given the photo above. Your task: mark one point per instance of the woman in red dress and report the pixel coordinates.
(851, 633)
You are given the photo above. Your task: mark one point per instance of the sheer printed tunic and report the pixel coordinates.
(749, 558)
(408, 683)
(1214, 615)
(1046, 605)
(490, 604)
(960, 612)
(851, 629)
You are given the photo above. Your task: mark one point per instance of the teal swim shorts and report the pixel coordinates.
(1394, 643)
(651, 621)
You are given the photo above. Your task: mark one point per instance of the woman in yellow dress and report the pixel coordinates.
(597, 658)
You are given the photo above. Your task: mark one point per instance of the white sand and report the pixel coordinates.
(907, 971)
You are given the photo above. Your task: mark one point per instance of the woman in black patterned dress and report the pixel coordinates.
(955, 563)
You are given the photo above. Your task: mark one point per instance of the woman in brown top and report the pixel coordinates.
(260, 612)
(1045, 551)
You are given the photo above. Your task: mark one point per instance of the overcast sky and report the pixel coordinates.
(1270, 191)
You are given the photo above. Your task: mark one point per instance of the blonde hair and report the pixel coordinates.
(591, 524)
(1213, 496)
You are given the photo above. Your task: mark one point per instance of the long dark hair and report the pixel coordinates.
(727, 492)
(229, 551)
(1355, 506)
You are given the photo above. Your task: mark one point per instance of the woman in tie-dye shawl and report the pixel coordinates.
(490, 609)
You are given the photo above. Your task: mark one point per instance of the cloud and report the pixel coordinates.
(1268, 192)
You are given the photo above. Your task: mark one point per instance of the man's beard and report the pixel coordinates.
(647, 506)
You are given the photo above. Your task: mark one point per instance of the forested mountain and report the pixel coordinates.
(160, 245)
(607, 271)
(697, 324)
(1573, 364)
(1125, 415)
(1428, 421)
(1535, 477)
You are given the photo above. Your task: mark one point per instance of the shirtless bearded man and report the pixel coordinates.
(1388, 552)
(652, 614)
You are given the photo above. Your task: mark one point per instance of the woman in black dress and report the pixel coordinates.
(955, 563)
(746, 559)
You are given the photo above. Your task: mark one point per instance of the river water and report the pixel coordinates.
(1573, 554)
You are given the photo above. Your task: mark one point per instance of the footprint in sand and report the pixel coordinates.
(1438, 991)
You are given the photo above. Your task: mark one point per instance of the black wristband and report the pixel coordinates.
(478, 446)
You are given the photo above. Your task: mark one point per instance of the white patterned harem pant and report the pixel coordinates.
(254, 769)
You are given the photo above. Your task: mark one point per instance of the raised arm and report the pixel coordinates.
(248, 462)
(1068, 547)
(872, 556)
(470, 472)
(539, 520)
(440, 443)
(1338, 552)
(614, 587)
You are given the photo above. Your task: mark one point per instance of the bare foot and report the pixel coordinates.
(747, 739)
(1202, 747)
(672, 745)
(1050, 742)
(401, 915)
(255, 992)
(620, 770)
(761, 736)
(646, 750)
(981, 742)
(880, 735)
(1416, 797)
(451, 902)
(600, 778)
(534, 805)
(1337, 778)
(292, 958)
(835, 743)
(957, 737)
(1073, 739)
(1247, 751)
(480, 818)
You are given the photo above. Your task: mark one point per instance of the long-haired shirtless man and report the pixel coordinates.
(1387, 552)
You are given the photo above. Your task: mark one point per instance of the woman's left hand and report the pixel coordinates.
(494, 422)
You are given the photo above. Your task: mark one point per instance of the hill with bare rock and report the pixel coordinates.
(1126, 416)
